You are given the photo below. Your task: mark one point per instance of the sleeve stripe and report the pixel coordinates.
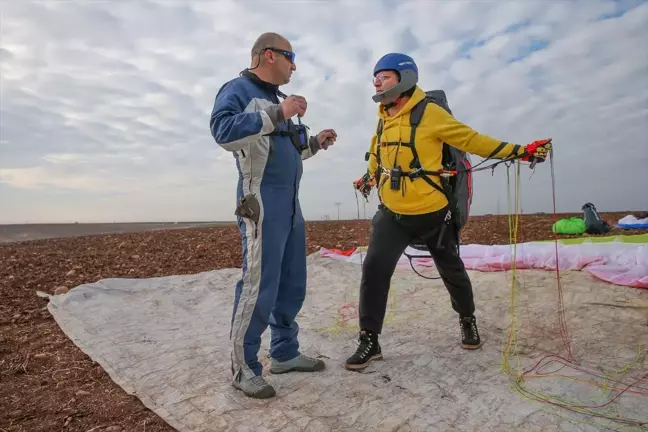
(245, 128)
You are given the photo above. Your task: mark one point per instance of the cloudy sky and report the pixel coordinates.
(105, 105)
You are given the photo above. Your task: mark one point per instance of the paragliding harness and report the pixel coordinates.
(456, 177)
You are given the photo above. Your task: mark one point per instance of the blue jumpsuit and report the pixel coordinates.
(272, 287)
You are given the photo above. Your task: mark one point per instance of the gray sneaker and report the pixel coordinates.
(255, 387)
(301, 363)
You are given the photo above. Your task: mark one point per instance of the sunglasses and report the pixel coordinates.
(380, 77)
(288, 54)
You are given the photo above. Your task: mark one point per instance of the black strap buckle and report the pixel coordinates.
(419, 172)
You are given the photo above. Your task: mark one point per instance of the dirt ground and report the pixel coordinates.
(48, 384)
(24, 232)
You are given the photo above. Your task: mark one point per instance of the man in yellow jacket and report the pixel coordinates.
(414, 205)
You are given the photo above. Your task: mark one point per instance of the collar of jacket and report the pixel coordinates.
(418, 96)
(273, 88)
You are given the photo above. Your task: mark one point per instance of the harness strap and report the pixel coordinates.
(395, 143)
(280, 133)
(378, 172)
(428, 180)
(514, 152)
(415, 119)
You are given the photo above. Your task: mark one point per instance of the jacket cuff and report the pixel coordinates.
(275, 113)
(314, 145)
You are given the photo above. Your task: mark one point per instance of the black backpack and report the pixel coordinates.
(593, 222)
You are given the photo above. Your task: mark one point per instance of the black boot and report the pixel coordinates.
(469, 333)
(368, 350)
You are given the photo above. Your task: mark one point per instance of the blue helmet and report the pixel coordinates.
(406, 68)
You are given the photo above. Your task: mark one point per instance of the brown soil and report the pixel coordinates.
(49, 384)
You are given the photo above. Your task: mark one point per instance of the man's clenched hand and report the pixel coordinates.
(293, 105)
(326, 138)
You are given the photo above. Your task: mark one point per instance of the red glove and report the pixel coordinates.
(537, 150)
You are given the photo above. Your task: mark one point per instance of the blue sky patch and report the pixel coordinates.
(535, 45)
(517, 26)
(620, 8)
(466, 46)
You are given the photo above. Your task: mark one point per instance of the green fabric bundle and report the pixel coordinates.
(573, 225)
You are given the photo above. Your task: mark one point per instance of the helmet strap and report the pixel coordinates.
(409, 92)
(394, 103)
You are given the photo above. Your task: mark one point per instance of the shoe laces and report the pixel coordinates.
(364, 345)
(468, 324)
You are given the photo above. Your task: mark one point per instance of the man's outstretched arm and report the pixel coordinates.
(233, 126)
(463, 137)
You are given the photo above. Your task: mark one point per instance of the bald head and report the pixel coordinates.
(269, 40)
(272, 58)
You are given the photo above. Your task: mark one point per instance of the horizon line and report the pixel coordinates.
(233, 221)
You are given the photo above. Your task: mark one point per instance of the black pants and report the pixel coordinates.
(390, 236)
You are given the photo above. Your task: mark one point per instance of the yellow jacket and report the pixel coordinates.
(435, 128)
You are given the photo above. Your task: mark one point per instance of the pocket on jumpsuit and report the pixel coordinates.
(250, 210)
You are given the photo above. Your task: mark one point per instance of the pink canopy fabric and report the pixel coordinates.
(615, 262)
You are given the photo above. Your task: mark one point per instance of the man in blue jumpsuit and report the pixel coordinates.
(249, 120)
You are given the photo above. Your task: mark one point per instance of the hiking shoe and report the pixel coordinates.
(469, 334)
(301, 363)
(255, 387)
(368, 350)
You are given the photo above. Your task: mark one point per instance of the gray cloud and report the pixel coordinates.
(105, 105)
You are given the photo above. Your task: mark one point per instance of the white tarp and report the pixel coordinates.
(166, 341)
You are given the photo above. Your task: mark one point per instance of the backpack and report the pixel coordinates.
(457, 188)
(593, 222)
